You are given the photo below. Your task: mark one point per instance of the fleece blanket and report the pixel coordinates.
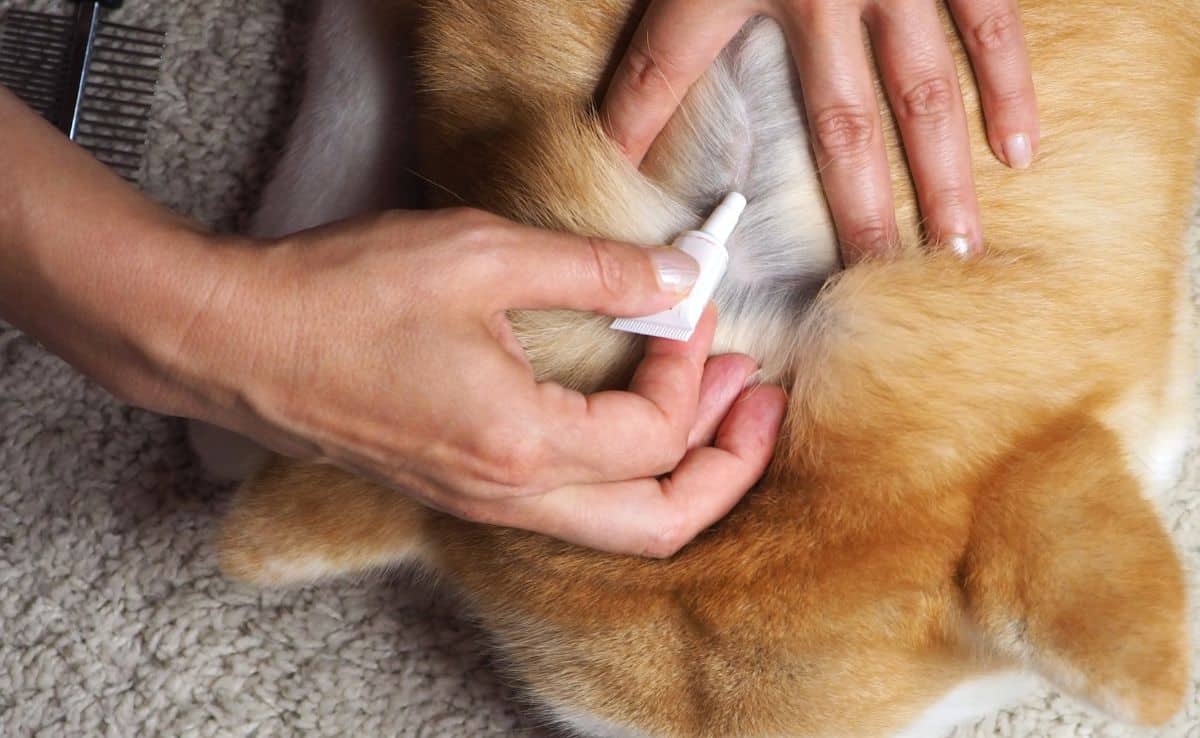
(114, 620)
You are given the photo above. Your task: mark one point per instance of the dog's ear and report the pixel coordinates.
(297, 522)
(1070, 571)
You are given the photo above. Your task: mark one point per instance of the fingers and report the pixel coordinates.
(672, 47)
(922, 85)
(995, 40)
(589, 274)
(639, 433)
(846, 129)
(725, 377)
(658, 517)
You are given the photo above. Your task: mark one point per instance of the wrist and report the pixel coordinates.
(195, 338)
(108, 280)
(131, 309)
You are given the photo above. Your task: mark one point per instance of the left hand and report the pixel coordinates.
(679, 39)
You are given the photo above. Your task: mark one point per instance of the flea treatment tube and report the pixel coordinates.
(706, 246)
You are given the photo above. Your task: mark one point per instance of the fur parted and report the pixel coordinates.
(966, 476)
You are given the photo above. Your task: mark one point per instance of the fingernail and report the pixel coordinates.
(960, 245)
(1017, 151)
(677, 271)
(752, 381)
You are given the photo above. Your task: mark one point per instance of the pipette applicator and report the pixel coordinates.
(707, 247)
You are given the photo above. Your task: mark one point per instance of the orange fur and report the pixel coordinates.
(955, 490)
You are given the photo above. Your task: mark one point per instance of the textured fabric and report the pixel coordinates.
(114, 620)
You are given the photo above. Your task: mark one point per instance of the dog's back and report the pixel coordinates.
(962, 487)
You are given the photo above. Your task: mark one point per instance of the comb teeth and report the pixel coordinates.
(121, 76)
(33, 57)
(120, 88)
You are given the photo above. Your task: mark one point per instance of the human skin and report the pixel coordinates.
(677, 40)
(381, 345)
(181, 321)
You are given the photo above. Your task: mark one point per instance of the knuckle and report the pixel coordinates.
(999, 29)
(947, 201)
(844, 131)
(516, 459)
(669, 538)
(1010, 98)
(646, 72)
(396, 219)
(610, 270)
(476, 227)
(822, 14)
(482, 246)
(930, 99)
(871, 237)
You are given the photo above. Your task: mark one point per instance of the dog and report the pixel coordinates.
(963, 494)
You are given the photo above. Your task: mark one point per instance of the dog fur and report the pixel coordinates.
(964, 489)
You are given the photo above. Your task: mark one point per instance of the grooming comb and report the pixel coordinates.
(91, 78)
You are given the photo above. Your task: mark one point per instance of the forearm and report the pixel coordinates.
(93, 269)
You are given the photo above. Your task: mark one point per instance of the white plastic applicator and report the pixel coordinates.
(706, 246)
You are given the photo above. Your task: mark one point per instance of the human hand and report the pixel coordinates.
(383, 346)
(678, 40)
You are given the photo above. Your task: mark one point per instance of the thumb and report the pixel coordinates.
(548, 270)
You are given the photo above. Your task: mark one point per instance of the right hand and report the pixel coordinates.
(382, 345)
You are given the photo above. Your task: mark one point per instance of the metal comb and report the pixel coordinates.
(91, 78)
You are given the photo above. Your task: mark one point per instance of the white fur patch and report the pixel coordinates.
(1165, 461)
(1158, 429)
(969, 701)
(1176, 430)
(302, 568)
